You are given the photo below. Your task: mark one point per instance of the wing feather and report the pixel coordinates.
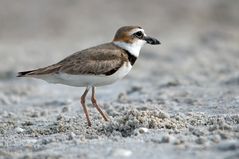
(103, 59)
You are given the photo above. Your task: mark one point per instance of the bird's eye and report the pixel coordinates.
(139, 34)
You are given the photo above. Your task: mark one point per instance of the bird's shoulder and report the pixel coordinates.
(100, 59)
(107, 51)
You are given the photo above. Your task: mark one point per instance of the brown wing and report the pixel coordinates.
(41, 71)
(103, 59)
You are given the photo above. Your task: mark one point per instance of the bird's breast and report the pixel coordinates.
(122, 71)
(90, 79)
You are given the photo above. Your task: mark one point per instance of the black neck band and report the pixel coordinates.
(131, 57)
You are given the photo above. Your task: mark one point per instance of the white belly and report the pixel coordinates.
(88, 80)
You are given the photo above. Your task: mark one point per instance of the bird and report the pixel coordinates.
(97, 66)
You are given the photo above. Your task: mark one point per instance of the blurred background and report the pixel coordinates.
(199, 38)
(193, 76)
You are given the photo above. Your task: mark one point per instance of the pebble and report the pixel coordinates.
(177, 142)
(43, 113)
(212, 128)
(72, 136)
(123, 97)
(134, 89)
(121, 153)
(166, 139)
(46, 141)
(65, 109)
(162, 114)
(35, 114)
(19, 130)
(215, 138)
(201, 140)
(157, 141)
(60, 117)
(196, 132)
(141, 130)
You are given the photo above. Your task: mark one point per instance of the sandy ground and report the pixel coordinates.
(181, 100)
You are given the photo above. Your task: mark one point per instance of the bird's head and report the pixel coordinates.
(132, 38)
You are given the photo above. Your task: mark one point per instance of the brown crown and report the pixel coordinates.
(122, 34)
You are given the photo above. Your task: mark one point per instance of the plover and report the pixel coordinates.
(97, 66)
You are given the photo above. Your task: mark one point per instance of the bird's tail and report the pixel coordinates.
(25, 73)
(41, 71)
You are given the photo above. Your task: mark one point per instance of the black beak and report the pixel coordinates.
(151, 41)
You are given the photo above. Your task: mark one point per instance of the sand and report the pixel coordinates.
(181, 100)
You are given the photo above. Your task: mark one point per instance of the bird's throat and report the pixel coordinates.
(133, 49)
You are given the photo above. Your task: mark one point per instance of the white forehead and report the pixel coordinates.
(136, 30)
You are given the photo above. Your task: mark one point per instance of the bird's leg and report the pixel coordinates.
(84, 106)
(94, 102)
